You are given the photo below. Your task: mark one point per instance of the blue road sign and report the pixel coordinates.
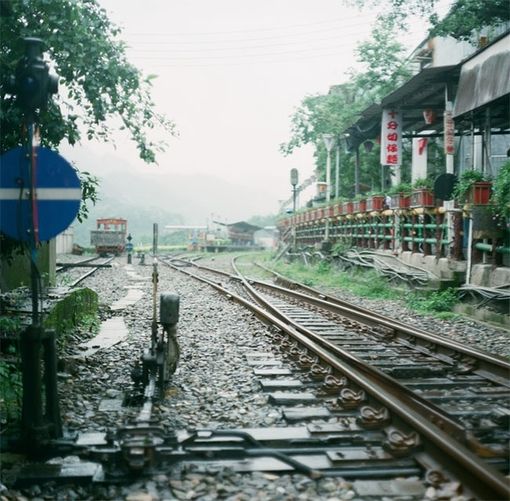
(57, 195)
(129, 246)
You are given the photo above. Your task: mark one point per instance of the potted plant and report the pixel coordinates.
(500, 198)
(422, 195)
(337, 207)
(375, 202)
(400, 196)
(472, 187)
(347, 207)
(359, 204)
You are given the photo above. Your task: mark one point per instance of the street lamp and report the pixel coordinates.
(329, 142)
(294, 180)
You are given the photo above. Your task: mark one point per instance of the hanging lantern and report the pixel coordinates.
(429, 116)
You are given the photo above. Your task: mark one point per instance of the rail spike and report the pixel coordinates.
(306, 361)
(399, 444)
(351, 399)
(332, 384)
(318, 372)
(372, 419)
(435, 478)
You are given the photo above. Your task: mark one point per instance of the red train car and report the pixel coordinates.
(110, 234)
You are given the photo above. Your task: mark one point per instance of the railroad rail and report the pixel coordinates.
(85, 263)
(76, 264)
(377, 434)
(448, 432)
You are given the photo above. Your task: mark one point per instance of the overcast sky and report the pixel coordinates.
(230, 74)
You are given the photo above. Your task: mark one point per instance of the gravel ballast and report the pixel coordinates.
(213, 387)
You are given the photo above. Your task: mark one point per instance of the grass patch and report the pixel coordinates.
(439, 303)
(360, 282)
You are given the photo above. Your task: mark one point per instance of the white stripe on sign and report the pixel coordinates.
(41, 194)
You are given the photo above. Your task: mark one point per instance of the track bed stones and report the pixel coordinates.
(214, 387)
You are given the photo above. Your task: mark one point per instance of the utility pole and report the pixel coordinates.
(294, 180)
(329, 141)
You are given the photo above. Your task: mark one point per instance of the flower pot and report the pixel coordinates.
(337, 210)
(347, 208)
(422, 197)
(400, 201)
(480, 193)
(375, 203)
(359, 206)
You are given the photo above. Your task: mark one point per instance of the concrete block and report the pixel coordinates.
(481, 274)
(500, 276)
(418, 260)
(406, 256)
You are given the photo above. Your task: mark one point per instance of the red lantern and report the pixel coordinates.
(429, 116)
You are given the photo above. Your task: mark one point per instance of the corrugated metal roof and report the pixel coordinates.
(484, 78)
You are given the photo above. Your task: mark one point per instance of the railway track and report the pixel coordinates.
(374, 372)
(73, 279)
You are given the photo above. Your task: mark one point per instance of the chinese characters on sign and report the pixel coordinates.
(449, 133)
(391, 137)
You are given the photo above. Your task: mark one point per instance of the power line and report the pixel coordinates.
(162, 53)
(206, 33)
(255, 54)
(241, 47)
(190, 64)
(257, 39)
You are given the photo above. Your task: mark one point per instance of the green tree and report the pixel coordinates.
(98, 85)
(464, 17)
(467, 16)
(382, 70)
(97, 81)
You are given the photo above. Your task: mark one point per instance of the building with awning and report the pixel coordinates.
(476, 92)
(241, 233)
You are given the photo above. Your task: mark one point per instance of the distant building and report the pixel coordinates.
(241, 234)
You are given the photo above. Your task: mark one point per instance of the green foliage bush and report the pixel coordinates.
(437, 301)
(464, 183)
(10, 391)
(501, 192)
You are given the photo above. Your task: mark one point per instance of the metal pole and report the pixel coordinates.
(294, 236)
(469, 250)
(31, 414)
(328, 191)
(34, 278)
(31, 338)
(155, 280)
(356, 172)
(337, 171)
(50, 384)
(449, 204)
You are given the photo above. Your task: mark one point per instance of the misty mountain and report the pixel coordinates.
(151, 194)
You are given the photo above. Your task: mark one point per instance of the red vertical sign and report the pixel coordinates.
(391, 137)
(449, 133)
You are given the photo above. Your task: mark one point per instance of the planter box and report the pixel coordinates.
(359, 206)
(330, 211)
(422, 198)
(480, 193)
(400, 201)
(375, 203)
(347, 208)
(337, 210)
